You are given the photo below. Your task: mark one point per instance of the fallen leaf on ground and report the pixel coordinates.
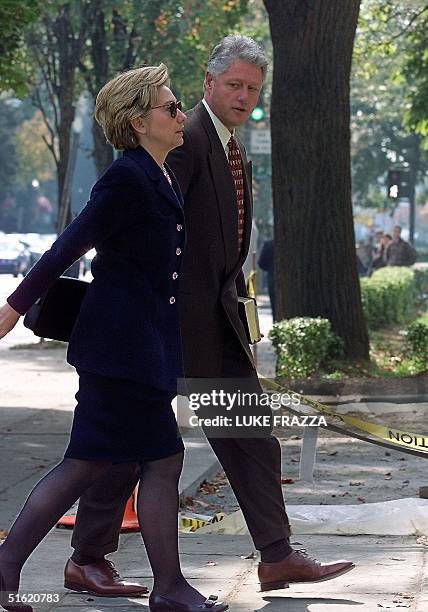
(287, 481)
(207, 487)
(251, 555)
(201, 503)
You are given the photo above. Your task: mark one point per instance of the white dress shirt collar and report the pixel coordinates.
(222, 131)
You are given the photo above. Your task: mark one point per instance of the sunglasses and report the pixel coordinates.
(172, 107)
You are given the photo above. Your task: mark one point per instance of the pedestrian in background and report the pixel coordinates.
(399, 252)
(266, 263)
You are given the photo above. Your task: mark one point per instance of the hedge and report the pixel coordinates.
(302, 344)
(389, 296)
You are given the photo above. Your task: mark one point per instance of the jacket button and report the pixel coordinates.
(179, 227)
(178, 251)
(174, 275)
(172, 300)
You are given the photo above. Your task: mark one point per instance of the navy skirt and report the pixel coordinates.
(121, 420)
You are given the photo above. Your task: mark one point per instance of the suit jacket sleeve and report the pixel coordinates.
(107, 210)
(241, 285)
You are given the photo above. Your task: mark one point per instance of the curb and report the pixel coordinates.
(191, 489)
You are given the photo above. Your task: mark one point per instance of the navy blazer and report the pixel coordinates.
(128, 326)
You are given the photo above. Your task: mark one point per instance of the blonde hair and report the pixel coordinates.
(126, 97)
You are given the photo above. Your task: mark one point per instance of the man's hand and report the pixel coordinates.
(8, 319)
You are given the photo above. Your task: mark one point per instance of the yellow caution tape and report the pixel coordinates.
(251, 284)
(192, 522)
(392, 435)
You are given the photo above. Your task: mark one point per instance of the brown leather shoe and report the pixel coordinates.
(298, 567)
(100, 579)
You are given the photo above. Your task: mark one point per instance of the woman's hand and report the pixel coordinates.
(8, 319)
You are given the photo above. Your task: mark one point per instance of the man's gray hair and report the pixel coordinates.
(236, 47)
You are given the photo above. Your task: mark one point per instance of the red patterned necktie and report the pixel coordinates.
(235, 163)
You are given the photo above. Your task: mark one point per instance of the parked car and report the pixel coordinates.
(14, 256)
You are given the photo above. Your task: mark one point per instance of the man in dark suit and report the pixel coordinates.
(266, 263)
(215, 179)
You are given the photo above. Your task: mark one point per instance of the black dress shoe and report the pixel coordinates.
(159, 603)
(10, 606)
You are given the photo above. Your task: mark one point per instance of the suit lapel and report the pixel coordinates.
(224, 189)
(146, 162)
(175, 185)
(167, 192)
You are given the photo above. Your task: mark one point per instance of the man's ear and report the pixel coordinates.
(139, 125)
(208, 81)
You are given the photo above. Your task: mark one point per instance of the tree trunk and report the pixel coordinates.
(103, 151)
(315, 257)
(65, 92)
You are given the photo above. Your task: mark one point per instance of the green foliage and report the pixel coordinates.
(9, 117)
(417, 341)
(389, 296)
(15, 17)
(13, 114)
(180, 33)
(395, 35)
(302, 344)
(381, 99)
(421, 284)
(202, 24)
(423, 319)
(378, 137)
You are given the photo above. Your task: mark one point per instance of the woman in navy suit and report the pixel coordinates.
(125, 345)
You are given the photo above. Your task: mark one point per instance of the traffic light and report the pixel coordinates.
(398, 184)
(394, 180)
(258, 114)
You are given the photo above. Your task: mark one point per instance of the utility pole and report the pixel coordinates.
(414, 158)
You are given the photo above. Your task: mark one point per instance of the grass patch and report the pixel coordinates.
(389, 358)
(423, 319)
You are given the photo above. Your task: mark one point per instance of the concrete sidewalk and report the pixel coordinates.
(36, 402)
(391, 573)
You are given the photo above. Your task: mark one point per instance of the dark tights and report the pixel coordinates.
(157, 514)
